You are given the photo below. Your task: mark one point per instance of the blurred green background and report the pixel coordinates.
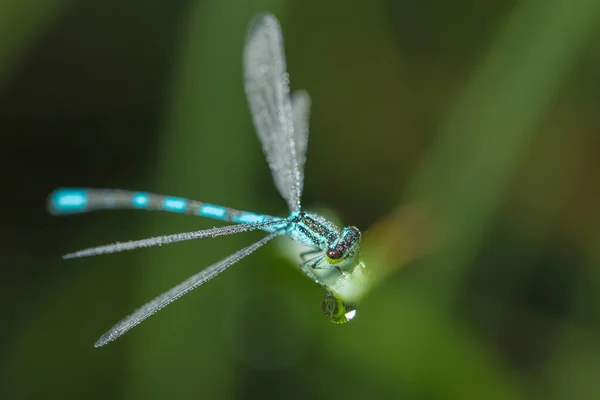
(487, 112)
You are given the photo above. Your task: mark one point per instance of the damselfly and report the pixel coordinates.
(281, 122)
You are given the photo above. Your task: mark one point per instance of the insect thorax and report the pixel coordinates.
(313, 230)
(318, 232)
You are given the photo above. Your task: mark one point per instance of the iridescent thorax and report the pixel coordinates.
(312, 230)
(318, 232)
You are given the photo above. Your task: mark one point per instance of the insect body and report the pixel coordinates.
(281, 123)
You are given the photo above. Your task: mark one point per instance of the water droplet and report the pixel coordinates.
(336, 310)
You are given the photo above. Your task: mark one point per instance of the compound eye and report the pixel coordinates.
(334, 254)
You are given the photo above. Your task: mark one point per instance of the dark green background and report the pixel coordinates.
(487, 110)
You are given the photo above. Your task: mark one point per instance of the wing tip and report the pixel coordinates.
(260, 20)
(107, 338)
(263, 17)
(301, 95)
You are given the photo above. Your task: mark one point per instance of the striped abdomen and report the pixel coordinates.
(71, 201)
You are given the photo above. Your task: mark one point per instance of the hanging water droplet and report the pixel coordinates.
(336, 310)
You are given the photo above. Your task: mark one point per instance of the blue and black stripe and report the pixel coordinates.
(77, 200)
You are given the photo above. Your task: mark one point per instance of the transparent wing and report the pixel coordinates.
(176, 292)
(177, 237)
(267, 89)
(301, 115)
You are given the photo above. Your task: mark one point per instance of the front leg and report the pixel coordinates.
(314, 264)
(309, 253)
(308, 266)
(342, 273)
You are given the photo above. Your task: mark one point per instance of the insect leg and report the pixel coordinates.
(327, 266)
(308, 253)
(307, 267)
